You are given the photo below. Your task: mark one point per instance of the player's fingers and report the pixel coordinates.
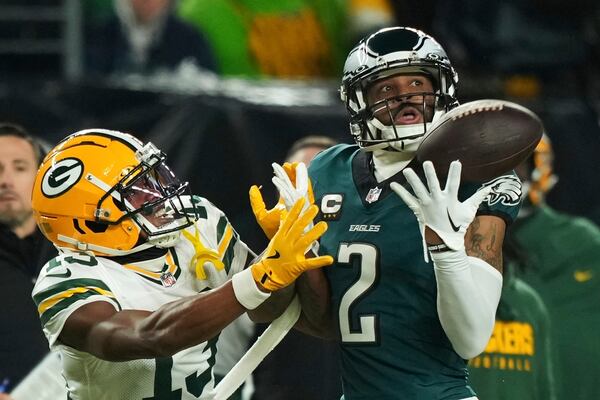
(292, 216)
(290, 170)
(408, 199)
(310, 193)
(285, 191)
(432, 180)
(313, 234)
(302, 222)
(416, 184)
(301, 178)
(281, 174)
(283, 215)
(453, 180)
(316, 262)
(256, 201)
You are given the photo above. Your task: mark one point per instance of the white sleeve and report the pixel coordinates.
(468, 293)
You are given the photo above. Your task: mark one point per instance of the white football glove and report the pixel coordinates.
(439, 209)
(292, 192)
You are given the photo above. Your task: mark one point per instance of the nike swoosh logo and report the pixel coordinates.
(276, 255)
(63, 275)
(454, 227)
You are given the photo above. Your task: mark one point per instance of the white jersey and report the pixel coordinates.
(207, 255)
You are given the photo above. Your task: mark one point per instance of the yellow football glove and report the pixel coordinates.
(284, 258)
(268, 220)
(290, 186)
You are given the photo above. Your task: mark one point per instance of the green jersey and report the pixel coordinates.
(383, 293)
(564, 267)
(517, 362)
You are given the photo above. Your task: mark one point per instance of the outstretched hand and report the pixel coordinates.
(292, 183)
(284, 259)
(267, 219)
(438, 209)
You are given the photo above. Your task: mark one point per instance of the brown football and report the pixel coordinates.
(489, 137)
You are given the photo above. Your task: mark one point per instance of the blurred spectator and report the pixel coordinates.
(286, 38)
(563, 265)
(145, 36)
(301, 367)
(306, 148)
(517, 363)
(23, 251)
(573, 128)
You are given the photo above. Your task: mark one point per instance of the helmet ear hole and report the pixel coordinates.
(96, 227)
(444, 101)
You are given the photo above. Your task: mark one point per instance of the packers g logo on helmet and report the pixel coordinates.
(61, 177)
(108, 193)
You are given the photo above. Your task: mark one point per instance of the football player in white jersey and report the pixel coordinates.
(147, 276)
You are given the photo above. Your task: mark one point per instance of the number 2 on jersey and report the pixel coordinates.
(367, 331)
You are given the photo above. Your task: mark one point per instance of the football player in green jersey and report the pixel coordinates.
(147, 275)
(517, 362)
(562, 262)
(405, 327)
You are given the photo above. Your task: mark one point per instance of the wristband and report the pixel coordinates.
(246, 291)
(438, 248)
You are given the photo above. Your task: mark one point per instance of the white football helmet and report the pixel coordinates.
(389, 52)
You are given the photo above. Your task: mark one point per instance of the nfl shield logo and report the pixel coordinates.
(373, 195)
(167, 279)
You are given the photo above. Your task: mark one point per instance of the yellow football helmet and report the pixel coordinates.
(106, 192)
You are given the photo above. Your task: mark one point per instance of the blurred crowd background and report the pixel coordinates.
(225, 87)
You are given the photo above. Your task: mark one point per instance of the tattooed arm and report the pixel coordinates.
(469, 288)
(484, 239)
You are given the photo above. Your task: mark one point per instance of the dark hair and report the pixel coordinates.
(324, 142)
(10, 129)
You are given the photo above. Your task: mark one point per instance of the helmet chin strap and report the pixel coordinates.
(165, 240)
(82, 246)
